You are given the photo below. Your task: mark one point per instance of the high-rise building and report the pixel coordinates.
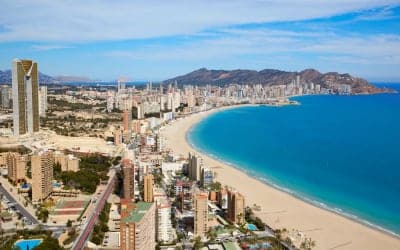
(164, 225)
(194, 167)
(16, 165)
(110, 103)
(200, 214)
(42, 100)
(5, 99)
(236, 207)
(121, 85)
(148, 188)
(117, 137)
(129, 179)
(127, 120)
(222, 198)
(42, 175)
(206, 177)
(137, 226)
(25, 92)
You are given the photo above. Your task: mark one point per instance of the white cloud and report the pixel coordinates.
(44, 47)
(355, 49)
(90, 20)
(377, 14)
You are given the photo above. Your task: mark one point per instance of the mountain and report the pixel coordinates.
(5, 77)
(63, 79)
(332, 80)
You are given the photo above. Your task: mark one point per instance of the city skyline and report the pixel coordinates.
(106, 40)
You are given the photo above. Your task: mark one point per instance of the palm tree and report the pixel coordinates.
(307, 244)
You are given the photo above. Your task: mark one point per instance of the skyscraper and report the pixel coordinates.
(42, 101)
(164, 226)
(129, 180)
(5, 97)
(16, 165)
(121, 84)
(148, 188)
(127, 119)
(42, 175)
(137, 226)
(25, 96)
(235, 207)
(200, 214)
(194, 167)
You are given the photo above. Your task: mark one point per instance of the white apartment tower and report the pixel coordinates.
(164, 225)
(42, 101)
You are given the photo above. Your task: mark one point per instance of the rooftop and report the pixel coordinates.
(231, 246)
(137, 214)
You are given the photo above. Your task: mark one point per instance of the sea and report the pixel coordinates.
(338, 152)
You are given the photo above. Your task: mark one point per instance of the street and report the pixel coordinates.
(18, 205)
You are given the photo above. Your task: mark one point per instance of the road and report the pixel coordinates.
(88, 226)
(18, 205)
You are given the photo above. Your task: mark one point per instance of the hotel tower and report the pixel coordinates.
(25, 85)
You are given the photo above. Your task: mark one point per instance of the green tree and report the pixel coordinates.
(307, 244)
(198, 243)
(49, 243)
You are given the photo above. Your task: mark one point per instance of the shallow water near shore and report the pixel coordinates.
(338, 152)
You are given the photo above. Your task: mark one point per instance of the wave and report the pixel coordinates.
(255, 175)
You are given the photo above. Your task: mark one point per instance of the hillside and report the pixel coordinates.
(205, 76)
(5, 77)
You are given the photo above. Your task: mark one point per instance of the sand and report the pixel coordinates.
(282, 210)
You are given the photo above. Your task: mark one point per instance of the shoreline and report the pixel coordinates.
(283, 208)
(294, 194)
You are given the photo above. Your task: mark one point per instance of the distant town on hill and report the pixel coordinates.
(205, 76)
(269, 77)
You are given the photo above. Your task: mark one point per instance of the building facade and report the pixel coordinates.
(236, 207)
(6, 97)
(129, 179)
(42, 175)
(25, 92)
(16, 165)
(137, 227)
(164, 225)
(148, 188)
(42, 101)
(194, 167)
(127, 120)
(200, 214)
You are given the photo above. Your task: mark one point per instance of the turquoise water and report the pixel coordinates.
(27, 244)
(251, 227)
(338, 152)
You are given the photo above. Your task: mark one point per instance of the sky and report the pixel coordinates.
(156, 40)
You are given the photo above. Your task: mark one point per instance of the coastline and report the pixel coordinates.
(282, 208)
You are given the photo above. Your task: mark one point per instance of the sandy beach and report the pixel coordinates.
(279, 209)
